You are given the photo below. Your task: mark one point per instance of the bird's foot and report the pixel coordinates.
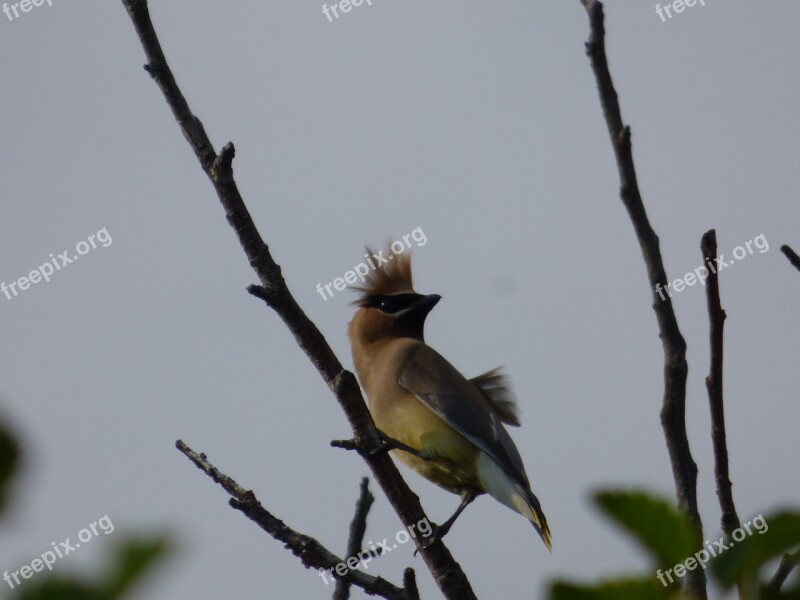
(389, 443)
(438, 533)
(386, 444)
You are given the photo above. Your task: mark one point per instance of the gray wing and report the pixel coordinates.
(462, 405)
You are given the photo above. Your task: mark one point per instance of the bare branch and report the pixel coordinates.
(410, 584)
(356, 538)
(788, 563)
(312, 554)
(273, 290)
(791, 255)
(673, 411)
(716, 318)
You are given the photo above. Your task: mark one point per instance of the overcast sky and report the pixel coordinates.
(477, 122)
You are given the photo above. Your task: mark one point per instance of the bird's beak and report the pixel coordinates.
(421, 307)
(428, 301)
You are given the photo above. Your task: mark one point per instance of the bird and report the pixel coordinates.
(447, 428)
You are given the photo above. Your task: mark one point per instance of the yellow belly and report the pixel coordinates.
(411, 422)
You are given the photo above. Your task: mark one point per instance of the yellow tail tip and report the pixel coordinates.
(546, 538)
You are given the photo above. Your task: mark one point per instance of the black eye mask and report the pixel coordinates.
(394, 303)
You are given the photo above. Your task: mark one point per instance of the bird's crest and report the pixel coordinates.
(390, 274)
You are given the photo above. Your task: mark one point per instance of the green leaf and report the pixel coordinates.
(132, 560)
(769, 537)
(785, 594)
(9, 460)
(627, 589)
(660, 528)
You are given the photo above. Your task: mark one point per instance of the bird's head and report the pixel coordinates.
(388, 304)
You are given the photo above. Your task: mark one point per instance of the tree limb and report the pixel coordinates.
(716, 318)
(788, 563)
(410, 584)
(311, 553)
(792, 256)
(356, 538)
(673, 411)
(273, 290)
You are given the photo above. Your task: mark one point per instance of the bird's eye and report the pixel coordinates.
(385, 304)
(394, 303)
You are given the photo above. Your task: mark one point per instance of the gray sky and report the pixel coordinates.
(478, 122)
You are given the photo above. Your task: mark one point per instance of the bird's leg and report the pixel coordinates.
(467, 496)
(439, 531)
(389, 443)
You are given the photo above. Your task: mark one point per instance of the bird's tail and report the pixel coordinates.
(516, 494)
(527, 504)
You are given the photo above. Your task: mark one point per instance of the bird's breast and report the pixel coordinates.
(405, 418)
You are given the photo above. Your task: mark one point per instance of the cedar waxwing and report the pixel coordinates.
(444, 426)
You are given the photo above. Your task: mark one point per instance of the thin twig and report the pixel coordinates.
(716, 318)
(673, 411)
(311, 553)
(358, 528)
(410, 584)
(788, 563)
(792, 256)
(273, 290)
